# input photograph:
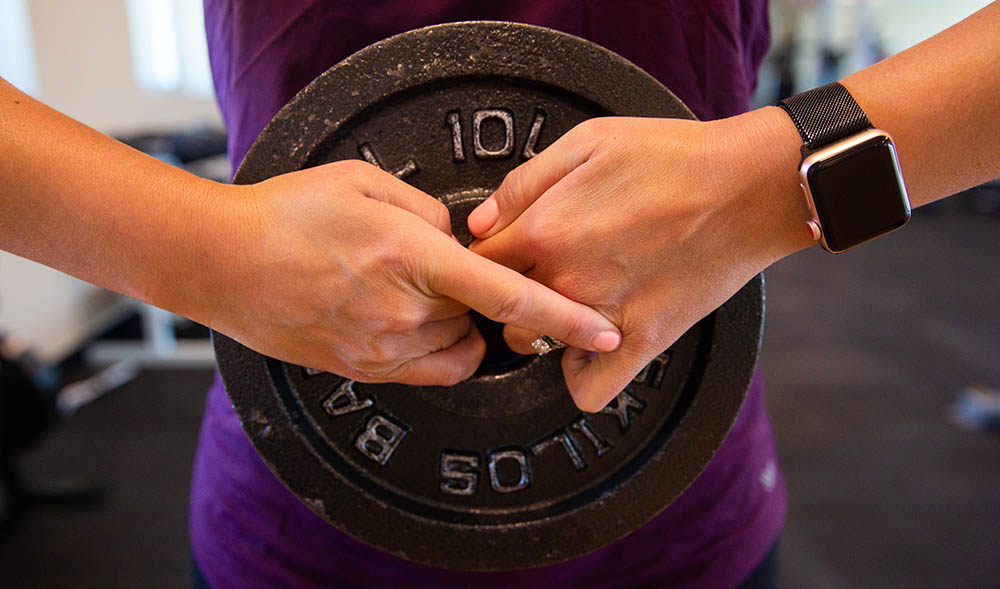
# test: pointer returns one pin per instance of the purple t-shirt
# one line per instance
(248, 530)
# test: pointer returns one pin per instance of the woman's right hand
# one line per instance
(347, 269)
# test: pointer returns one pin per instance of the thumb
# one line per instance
(595, 379)
(524, 184)
(383, 186)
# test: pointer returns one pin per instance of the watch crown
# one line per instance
(814, 229)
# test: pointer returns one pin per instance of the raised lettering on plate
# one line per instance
(520, 460)
(380, 439)
(536, 128)
(408, 168)
(344, 400)
(621, 407)
(565, 439)
(601, 446)
(454, 121)
(459, 473)
(505, 117)
(652, 374)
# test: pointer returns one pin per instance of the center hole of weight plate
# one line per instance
(499, 358)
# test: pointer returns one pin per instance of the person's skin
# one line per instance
(656, 222)
(341, 267)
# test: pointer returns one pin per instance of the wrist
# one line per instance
(196, 256)
(776, 208)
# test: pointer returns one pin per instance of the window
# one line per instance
(169, 52)
(17, 52)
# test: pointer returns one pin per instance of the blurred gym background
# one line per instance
(880, 363)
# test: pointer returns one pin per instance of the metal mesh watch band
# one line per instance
(824, 115)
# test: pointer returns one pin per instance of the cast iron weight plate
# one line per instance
(501, 471)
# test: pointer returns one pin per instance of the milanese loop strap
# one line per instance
(825, 114)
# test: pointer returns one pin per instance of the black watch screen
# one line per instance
(858, 194)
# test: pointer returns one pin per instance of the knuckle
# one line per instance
(532, 229)
(589, 130)
(383, 353)
(350, 373)
(370, 358)
(578, 329)
(644, 341)
(354, 168)
(375, 323)
(402, 372)
(591, 134)
(512, 305)
(386, 366)
(440, 216)
(363, 373)
(454, 373)
(574, 285)
(451, 334)
(367, 368)
(468, 366)
(543, 234)
(403, 321)
(352, 357)
(398, 260)
(508, 196)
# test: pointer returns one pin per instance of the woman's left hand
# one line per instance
(653, 222)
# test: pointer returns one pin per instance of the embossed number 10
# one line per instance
(481, 151)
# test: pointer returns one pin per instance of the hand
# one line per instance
(653, 222)
(345, 268)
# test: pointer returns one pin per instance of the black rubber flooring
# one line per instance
(863, 353)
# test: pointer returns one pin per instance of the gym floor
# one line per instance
(864, 354)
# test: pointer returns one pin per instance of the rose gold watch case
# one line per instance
(833, 150)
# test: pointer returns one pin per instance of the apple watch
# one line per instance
(849, 170)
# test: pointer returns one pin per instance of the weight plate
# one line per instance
(501, 471)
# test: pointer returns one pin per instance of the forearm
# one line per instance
(937, 99)
(940, 100)
(706, 206)
(76, 200)
(341, 267)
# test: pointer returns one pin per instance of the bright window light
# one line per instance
(169, 52)
(197, 75)
(17, 52)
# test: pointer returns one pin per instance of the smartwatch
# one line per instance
(849, 170)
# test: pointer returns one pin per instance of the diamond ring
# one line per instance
(544, 344)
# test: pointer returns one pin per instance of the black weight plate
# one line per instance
(501, 471)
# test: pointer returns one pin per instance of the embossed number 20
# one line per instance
(506, 118)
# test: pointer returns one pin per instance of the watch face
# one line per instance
(858, 193)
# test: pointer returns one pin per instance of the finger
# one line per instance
(387, 188)
(525, 183)
(508, 297)
(595, 379)
(445, 367)
(446, 308)
(435, 336)
(508, 249)
(519, 340)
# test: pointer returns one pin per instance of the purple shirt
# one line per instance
(248, 530)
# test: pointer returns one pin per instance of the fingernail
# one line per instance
(606, 341)
(483, 217)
